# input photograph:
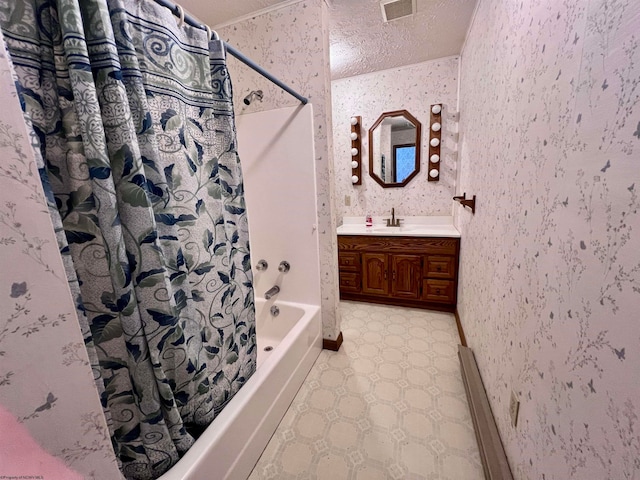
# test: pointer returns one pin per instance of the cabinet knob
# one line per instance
(438, 268)
(437, 291)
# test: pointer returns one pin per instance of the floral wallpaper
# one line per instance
(46, 380)
(550, 267)
(413, 88)
(292, 43)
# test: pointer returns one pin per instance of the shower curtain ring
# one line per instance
(208, 29)
(181, 15)
(215, 35)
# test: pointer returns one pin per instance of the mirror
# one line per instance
(394, 149)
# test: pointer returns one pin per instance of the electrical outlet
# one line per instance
(514, 407)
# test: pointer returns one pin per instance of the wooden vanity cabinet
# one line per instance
(407, 271)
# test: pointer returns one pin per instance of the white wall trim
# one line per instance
(257, 13)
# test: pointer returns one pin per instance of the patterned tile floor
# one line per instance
(389, 405)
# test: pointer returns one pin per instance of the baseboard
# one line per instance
(397, 302)
(332, 344)
(463, 339)
(494, 459)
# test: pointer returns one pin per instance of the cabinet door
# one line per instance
(375, 271)
(406, 275)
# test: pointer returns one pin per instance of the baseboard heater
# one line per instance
(494, 460)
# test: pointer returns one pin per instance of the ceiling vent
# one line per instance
(395, 9)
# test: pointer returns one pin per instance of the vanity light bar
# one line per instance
(435, 139)
(356, 150)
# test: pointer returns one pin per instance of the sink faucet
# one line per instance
(271, 292)
(392, 222)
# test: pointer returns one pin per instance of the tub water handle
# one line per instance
(284, 266)
(262, 265)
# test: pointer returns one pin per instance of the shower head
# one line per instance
(255, 93)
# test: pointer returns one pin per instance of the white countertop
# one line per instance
(410, 227)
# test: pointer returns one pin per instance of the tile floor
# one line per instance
(389, 405)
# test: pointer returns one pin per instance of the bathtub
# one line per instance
(230, 447)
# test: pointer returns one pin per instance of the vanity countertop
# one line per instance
(441, 226)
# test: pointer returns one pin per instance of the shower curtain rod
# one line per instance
(176, 10)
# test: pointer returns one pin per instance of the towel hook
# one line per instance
(180, 15)
(466, 202)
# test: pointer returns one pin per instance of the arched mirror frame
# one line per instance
(418, 125)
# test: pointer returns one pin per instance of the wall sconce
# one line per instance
(356, 149)
(435, 137)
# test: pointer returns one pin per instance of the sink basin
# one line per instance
(391, 230)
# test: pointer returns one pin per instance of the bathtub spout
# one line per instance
(271, 292)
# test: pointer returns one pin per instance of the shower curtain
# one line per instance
(133, 127)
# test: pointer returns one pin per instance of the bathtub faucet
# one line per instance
(271, 292)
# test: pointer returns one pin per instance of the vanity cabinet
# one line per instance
(407, 271)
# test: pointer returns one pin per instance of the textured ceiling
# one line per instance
(360, 41)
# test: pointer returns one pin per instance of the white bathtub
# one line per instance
(230, 447)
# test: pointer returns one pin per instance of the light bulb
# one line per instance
(354, 179)
(433, 173)
(354, 136)
(435, 158)
(436, 127)
(354, 121)
(435, 142)
(354, 152)
(436, 109)
(354, 164)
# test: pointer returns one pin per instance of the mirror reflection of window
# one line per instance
(394, 154)
(404, 159)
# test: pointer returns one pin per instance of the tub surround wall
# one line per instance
(292, 43)
(550, 275)
(413, 88)
(46, 381)
(276, 148)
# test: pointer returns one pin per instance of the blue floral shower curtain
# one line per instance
(133, 122)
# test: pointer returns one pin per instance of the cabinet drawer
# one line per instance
(438, 291)
(349, 261)
(349, 282)
(439, 267)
